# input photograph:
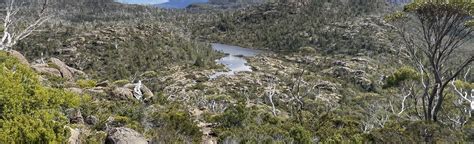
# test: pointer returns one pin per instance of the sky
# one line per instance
(143, 1)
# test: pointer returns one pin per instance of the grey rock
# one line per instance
(124, 135)
(63, 68)
(92, 120)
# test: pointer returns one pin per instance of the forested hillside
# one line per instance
(321, 71)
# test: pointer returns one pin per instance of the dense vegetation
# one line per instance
(30, 112)
(333, 71)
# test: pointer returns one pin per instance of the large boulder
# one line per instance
(63, 68)
(147, 93)
(122, 93)
(19, 56)
(124, 135)
(44, 69)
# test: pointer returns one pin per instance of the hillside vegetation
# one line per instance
(329, 72)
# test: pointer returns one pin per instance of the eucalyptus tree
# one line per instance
(434, 34)
(20, 19)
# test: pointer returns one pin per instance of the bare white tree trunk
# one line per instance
(464, 94)
(12, 31)
(270, 93)
(403, 102)
(137, 92)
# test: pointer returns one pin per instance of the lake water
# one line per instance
(234, 60)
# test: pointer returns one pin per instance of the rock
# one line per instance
(124, 135)
(365, 83)
(342, 71)
(74, 138)
(63, 68)
(147, 93)
(360, 60)
(359, 73)
(92, 120)
(325, 85)
(19, 56)
(44, 69)
(77, 72)
(75, 117)
(75, 90)
(97, 91)
(103, 84)
(122, 93)
(339, 63)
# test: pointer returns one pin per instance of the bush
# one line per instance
(86, 83)
(402, 74)
(30, 113)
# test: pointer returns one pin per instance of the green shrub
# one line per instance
(174, 124)
(86, 83)
(30, 112)
(402, 74)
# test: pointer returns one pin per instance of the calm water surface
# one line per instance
(234, 60)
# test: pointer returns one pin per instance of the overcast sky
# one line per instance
(143, 1)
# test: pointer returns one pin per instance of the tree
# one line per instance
(21, 19)
(433, 34)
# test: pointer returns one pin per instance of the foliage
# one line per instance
(86, 83)
(402, 74)
(254, 125)
(173, 124)
(30, 112)
(286, 26)
(415, 132)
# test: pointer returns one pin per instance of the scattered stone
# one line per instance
(124, 135)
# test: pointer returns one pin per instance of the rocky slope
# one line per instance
(320, 79)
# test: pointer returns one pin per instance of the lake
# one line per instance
(234, 60)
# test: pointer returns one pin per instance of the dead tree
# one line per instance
(20, 20)
(433, 34)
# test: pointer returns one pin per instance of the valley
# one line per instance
(245, 71)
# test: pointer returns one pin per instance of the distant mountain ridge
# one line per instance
(180, 3)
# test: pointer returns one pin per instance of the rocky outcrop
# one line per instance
(58, 68)
(124, 135)
(19, 56)
(147, 93)
(63, 68)
(45, 69)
